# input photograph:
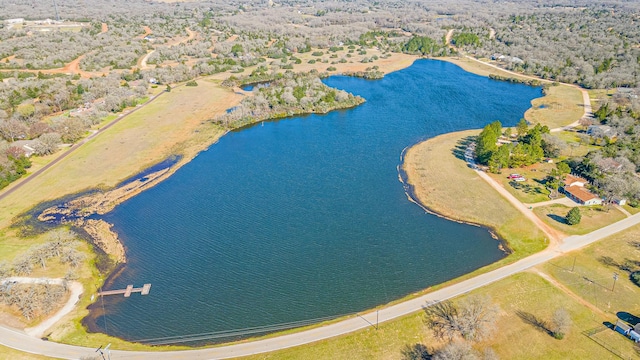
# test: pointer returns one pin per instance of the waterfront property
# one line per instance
(304, 218)
(574, 189)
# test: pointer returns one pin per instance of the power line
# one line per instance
(236, 332)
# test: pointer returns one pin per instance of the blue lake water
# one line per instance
(305, 218)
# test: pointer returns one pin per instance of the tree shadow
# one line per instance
(416, 352)
(542, 181)
(461, 147)
(558, 218)
(630, 318)
(628, 265)
(534, 321)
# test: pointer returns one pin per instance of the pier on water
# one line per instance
(144, 290)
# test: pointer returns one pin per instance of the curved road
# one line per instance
(75, 289)
(23, 342)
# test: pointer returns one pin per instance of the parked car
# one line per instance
(521, 178)
(514, 176)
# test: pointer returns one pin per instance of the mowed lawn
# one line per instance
(10, 354)
(481, 69)
(593, 217)
(444, 183)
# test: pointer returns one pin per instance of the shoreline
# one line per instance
(114, 272)
(101, 202)
(412, 196)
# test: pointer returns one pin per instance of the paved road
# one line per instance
(21, 341)
(563, 200)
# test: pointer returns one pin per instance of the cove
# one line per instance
(304, 218)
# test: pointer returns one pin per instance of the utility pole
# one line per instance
(615, 277)
(56, 7)
(101, 351)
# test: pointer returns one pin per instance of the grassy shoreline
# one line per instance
(196, 142)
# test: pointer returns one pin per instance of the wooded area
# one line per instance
(65, 68)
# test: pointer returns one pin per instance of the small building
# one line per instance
(572, 180)
(26, 145)
(620, 201)
(622, 327)
(600, 131)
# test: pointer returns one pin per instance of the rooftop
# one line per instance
(569, 180)
(580, 193)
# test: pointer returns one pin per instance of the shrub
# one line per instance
(191, 83)
(635, 277)
(317, 53)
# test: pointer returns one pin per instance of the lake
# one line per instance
(304, 218)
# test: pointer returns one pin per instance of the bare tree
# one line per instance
(456, 350)
(23, 266)
(416, 352)
(442, 318)
(47, 143)
(560, 323)
(13, 129)
(473, 320)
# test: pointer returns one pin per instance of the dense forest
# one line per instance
(613, 167)
(64, 68)
(287, 95)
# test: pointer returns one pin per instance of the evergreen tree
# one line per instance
(487, 142)
(573, 216)
(522, 128)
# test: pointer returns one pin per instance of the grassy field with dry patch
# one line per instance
(593, 218)
(560, 106)
(444, 183)
(523, 299)
(164, 127)
(478, 68)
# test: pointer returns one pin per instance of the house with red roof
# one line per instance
(574, 189)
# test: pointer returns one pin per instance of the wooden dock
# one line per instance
(144, 290)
